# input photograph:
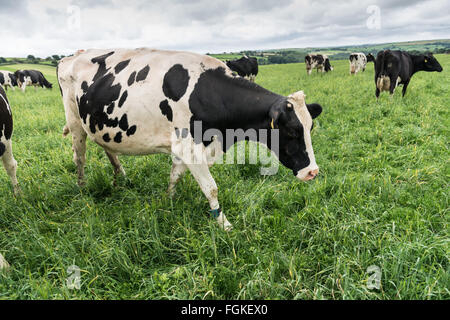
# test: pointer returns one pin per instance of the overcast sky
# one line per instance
(45, 27)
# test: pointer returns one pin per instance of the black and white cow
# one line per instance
(245, 67)
(358, 62)
(146, 101)
(7, 79)
(6, 129)
(31, 78)
(397, 67)
(317, 61)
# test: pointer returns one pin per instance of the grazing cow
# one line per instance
(31, 78)
(397, 67)
(358, 62)
(245, 67)
(7, 79)
(317, 61)
(3, 263)
(6, 129)
(370, 58)
(146, 101)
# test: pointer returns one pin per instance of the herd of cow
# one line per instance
(145, 101)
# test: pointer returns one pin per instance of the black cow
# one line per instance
(397, 67)
(31, 78)
(245, 67)
(6, 129)
(7, 79)
(370, 58)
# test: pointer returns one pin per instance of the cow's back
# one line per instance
(125, 98)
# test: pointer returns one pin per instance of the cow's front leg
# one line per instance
(3, 263)
(10, 165)
(177, 171)
(208, 185)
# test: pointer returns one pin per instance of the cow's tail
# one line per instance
(383, 81)
(46, 83)
(327, 65)
(2, 148)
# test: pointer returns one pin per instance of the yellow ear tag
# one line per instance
(426, 60)
(271, 124)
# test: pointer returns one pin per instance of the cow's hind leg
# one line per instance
(79, 151)
(177, 171)
(118, 169)
(10, 165)
(405, 86)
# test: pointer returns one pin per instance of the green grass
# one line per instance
(381, 199)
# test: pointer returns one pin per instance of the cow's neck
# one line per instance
(418, 63)
(222, 103)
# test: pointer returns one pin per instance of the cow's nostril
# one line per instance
(313, 173)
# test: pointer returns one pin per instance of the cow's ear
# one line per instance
(314, 109)
(275, 114)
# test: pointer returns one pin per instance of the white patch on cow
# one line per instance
(298, 100)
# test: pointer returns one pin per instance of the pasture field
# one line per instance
(381, 199)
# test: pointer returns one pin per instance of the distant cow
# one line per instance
(397, 67)
(7, 79)
(370, 57)
(145, 101)
(31, 78)
(317, 61)
(245, 67)
(358, 62)
(6, 129)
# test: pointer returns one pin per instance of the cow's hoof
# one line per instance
(81, 183)
(226, 226)
(17, 191)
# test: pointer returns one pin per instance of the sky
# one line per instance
(46, 27)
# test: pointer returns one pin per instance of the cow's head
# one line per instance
(370, 57)
(294, 119)
(20, 77)
(13, 79)
(431, 64)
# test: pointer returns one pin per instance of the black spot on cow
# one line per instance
(95, 97)
(2, 79)
(131, 130)
(121, 65)
(84, 86)
(106, 137)
(101, 61)
(118, 137)
(132, 78)
(110, 108)
(142, 74)
(123, 98)
(6, 121)
(176, 82)
(166, 109)
(123, 123)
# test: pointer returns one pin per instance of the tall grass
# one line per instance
(381, 199)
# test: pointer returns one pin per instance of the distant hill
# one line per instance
(292, 55)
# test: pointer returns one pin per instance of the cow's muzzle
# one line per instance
(308, 173)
